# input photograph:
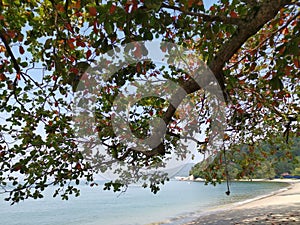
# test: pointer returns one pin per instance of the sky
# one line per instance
(36, 73)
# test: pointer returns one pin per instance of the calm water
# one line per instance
(176, 202)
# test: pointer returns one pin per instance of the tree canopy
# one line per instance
(272, 164)
(250, 46)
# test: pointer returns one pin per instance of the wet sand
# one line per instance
(280, 208)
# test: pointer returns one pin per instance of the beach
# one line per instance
(282, 207)
(178, 202)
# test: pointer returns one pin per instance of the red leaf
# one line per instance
(285, 31)
(11, 33)
(233, 14)
(2, 153)
(113, 39)
(127, 6)
(77, 5)
(74, 70)
(212, 8)
(134, 7)
(88, 54)
(20, 37)
(2, 48)
(93, 11)
(296, 62)
(80, 43)
(17, 167)
(78, 166)
(70, 43)
(60, 7)
(138, 68)
(259, 105)
(253, 66)
(2, 77)
(78, 14)
(112, 9)
(281, 21)
(69, 27)
(190, 3)
(95, 26)
(138, 51)
(240, 111)
(281, 51)
(95, 30)
(18, 76)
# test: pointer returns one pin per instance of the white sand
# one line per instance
(280, 208)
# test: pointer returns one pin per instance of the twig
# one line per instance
(10, 53)
(205, 17)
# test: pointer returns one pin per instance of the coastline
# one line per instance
(279, 207)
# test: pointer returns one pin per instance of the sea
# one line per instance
(177, 202)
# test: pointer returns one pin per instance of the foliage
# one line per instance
(275, 162)
(252, 47)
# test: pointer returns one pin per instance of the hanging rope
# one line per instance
(226, 171)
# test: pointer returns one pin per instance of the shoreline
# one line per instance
(218, 214)
(278, 207)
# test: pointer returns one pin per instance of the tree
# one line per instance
(251, 47)
(271, 162)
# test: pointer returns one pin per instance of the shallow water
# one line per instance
(177, 202)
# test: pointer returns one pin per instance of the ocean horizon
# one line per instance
(176, 203)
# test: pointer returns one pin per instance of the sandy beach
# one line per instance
(282, 207)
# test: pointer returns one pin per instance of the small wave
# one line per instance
(260, 197)
(191, 216)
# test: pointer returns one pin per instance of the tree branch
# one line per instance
(10, 53)
(250, 2)
(187, 137)
(267, 10)
(206, 17)
(160, 149)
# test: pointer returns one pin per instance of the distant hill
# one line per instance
(182, 171)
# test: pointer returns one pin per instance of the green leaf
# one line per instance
(276, 83)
